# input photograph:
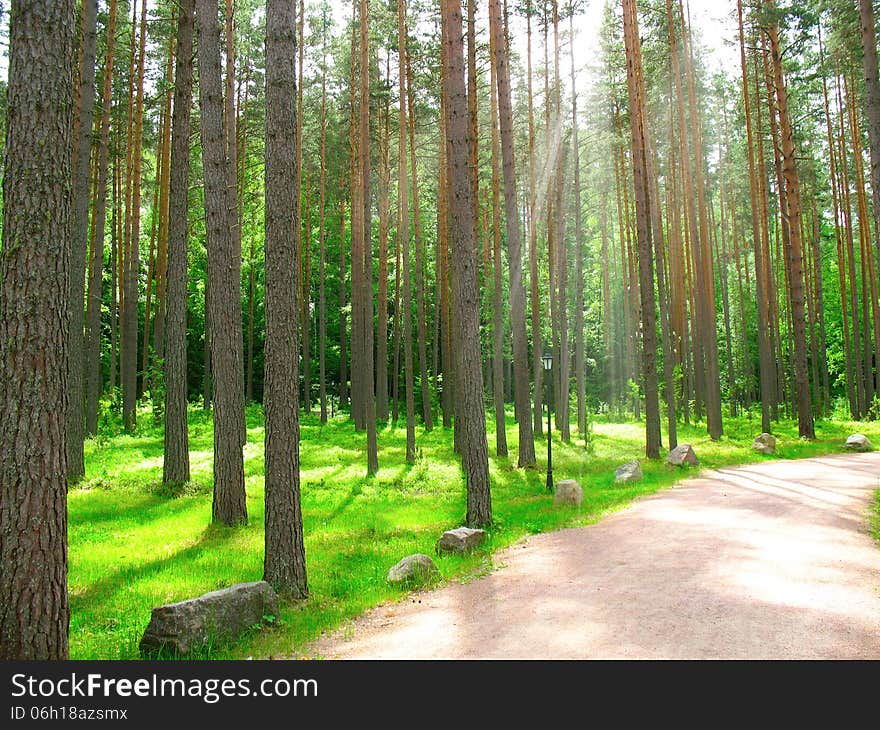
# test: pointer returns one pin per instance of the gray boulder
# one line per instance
(764, 444)
(460, 540)
(629, 472)
(682, 455)
(568, 491)
(182, 627)
(858, 442)
(413, 569)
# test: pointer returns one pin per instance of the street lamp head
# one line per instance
(547, 359)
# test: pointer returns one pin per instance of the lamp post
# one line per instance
(547, 360)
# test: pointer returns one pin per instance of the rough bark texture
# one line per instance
(176, 466)
(285, 563)
(795, 255)
(224, 265)
(514, 249)
(79, 243)
(643, 228)
(466, 295)
(765, 366)
(872, 107)
(403, 237)
(497, 298)
(34, 301)
(94, 380)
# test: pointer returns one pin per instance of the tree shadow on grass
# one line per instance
(89, 598)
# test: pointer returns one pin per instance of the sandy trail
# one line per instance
(769, 560)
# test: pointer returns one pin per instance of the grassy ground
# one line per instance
(134, 545)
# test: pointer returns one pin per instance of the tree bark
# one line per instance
(285, 563)
(176, 466)
(34, 322)
(224, 265)
(469, 393)
(514, 250)
(94, 380)
(643, 228)
(872, 107)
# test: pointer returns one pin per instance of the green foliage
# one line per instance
(135, 544)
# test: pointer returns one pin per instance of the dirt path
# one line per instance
(771, 560)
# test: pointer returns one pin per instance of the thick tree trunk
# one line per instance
(793, 195)
(643, 228)
(34, 321)
(514, 250)
(224, 265)
(176, 467)
(469, 393)
(94, 379)
(79, 243)
(285, 561)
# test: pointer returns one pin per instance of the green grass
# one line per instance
(134, 544)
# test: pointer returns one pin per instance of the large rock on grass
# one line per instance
(413, 570)
(858, 442)
(568, 491)
(629, 472)
(682, 455)
(460, 540)
(179, 628)
(764, 444)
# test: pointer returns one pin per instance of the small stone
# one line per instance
(858, 442)
(182, 627)
(460, 540)
(681, 455)
(413, 569)
(568, 491)
(629, 472)
(765, 444)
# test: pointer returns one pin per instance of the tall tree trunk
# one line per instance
(305, 309)
(404, 316)
(322, 302)
(34, 321)
(343, 326)
(383, 132)
(469, 393)
(132, 255)
(872, 107)
(285, 561)
(579, 348)
(422, 326)
(362, 203)
(79, 243)
(176, 467)
(643, 228)
(793, 195)
(224, 264)
(514, 251)
(94, 380)
(765, 365)
(497, 301)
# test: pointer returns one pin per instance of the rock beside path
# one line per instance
(629, 472)
(413, 570)
(765, 444)
(568, 491)
(460, 540)
(682, 455)
(858, 442)
(179, 628)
